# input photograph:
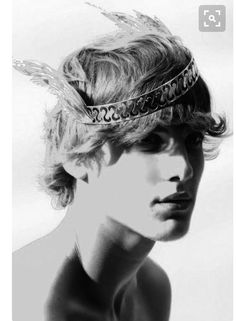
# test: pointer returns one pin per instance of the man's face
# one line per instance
(152, 187)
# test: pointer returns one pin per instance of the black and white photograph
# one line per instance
(122, 160)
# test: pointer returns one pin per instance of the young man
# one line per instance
(125, 152)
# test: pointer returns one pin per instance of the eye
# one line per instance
(194, 140)
(153, 143)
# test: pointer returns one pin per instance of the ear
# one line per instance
(111, 153)
(78, 171)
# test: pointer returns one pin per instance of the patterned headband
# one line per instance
(71, 102)
(148, 103)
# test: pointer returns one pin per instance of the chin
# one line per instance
(171, 230)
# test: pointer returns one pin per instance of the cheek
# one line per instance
(197, 162)
(142, 171)
(130, 179)
(152, 172)
(133, 170)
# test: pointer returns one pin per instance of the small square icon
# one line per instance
(212, 18)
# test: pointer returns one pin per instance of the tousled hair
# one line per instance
(118, 67)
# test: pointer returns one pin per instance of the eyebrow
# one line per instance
(159, 128)
(185, 129)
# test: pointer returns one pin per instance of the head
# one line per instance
(136, 163)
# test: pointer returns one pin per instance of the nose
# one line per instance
(176, 166)
(179, 169)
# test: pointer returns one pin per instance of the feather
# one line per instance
(153, 24)
(43, 75)
(130, 24)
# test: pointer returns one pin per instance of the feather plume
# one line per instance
(141, 23)
(45, 76)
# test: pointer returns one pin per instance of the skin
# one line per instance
(96, 261)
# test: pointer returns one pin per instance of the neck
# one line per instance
(114, 254)
(110, 253)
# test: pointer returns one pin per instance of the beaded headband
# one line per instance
(71, 102)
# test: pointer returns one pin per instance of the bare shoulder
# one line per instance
(154, 273)
(43, 255)
(34, 268)
(155, 286)
(35, 259)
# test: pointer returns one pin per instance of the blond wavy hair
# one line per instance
(114, 68)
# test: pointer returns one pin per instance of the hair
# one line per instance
(118, 67)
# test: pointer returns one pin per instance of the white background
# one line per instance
(200, 264)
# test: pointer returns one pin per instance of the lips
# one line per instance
(176, 198)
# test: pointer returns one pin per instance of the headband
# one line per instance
(71, 101)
